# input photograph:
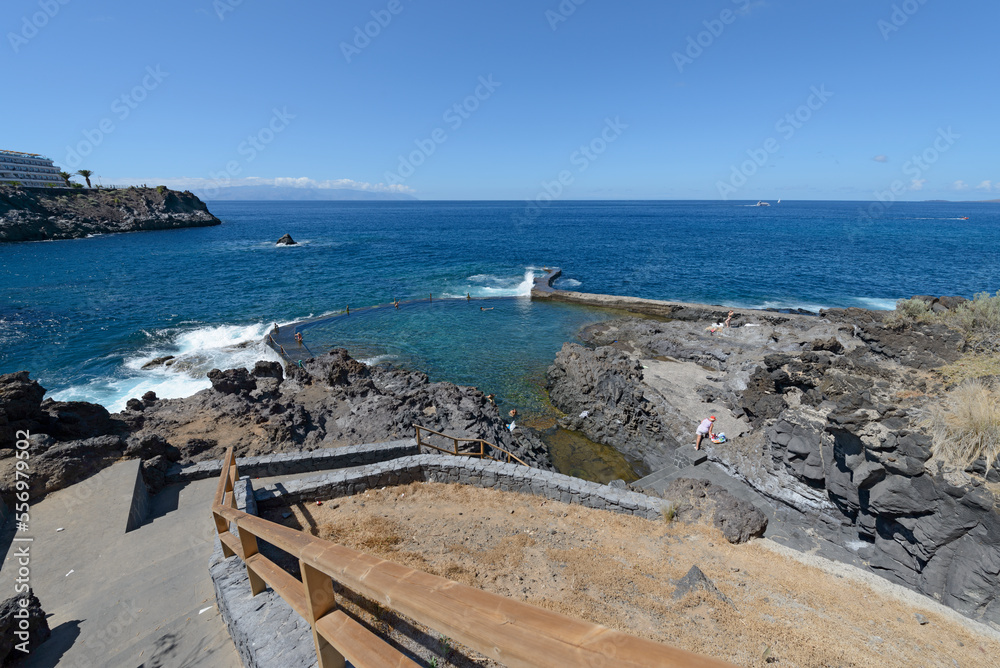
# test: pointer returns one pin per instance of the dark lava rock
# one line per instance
(20, 405)
(330, 400)
(264, 369)
(158, 361)
(287, 241)
(916, 345)
(232, 381)
(694, 580)
(37, 214)
(154, 472)
(607, 383)
(832, 345)
(21, 626)
(527, 445)
(951, 302)
(739, 520)
(72, 420)
(146, 447)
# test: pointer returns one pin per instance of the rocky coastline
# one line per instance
(331, 400)
(825, 415)
(37, 214)
(826, 418)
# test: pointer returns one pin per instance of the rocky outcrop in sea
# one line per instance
(36, 214)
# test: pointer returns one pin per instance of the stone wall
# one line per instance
(268, 633)
(290, 463)
(465, 471)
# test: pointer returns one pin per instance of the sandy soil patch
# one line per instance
(620, 571)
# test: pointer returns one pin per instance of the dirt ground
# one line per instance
(620, 571)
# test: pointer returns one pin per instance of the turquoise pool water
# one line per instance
(502, 345)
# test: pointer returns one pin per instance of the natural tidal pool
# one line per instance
(503, 346)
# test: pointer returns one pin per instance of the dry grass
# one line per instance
(971, 365)
(620, 571)
(967, 425)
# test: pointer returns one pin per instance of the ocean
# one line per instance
(84, 316)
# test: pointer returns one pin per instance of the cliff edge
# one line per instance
(34, 214)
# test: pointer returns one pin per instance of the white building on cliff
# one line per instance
(29, 169)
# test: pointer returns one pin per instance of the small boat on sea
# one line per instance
(762, 204)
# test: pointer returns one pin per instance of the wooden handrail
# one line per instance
(511, 632)
(457, 439)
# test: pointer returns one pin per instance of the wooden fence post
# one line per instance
(248, 542)
(320, 600)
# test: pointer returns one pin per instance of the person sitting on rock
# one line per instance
(705, 429)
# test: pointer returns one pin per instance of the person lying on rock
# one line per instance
(706, 428)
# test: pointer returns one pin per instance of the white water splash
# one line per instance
(874, 304)
(490, 285)
(195, 352)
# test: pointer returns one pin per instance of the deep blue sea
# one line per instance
(83, 316)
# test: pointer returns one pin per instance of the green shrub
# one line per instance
(909, 310)
(979, 319)
(161, 189)
(967, 425)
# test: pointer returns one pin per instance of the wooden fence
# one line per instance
(485, 449)
(510, 632)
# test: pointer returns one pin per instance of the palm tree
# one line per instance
(65, 177)
(85, 173)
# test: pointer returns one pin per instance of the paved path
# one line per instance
(138, 599)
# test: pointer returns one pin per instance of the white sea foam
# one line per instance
(788, 305)
(195, 351)
(568, 283)
(874, 304)
(489, 285)
(378, 359)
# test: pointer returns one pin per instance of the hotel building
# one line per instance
(29, 169)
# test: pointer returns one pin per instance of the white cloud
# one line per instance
(186, 183)
(960, 185)
(986, 185)
(881, 158)
(917, 184)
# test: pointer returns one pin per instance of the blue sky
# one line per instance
(607, 100)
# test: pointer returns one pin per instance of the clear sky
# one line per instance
(671, 100)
